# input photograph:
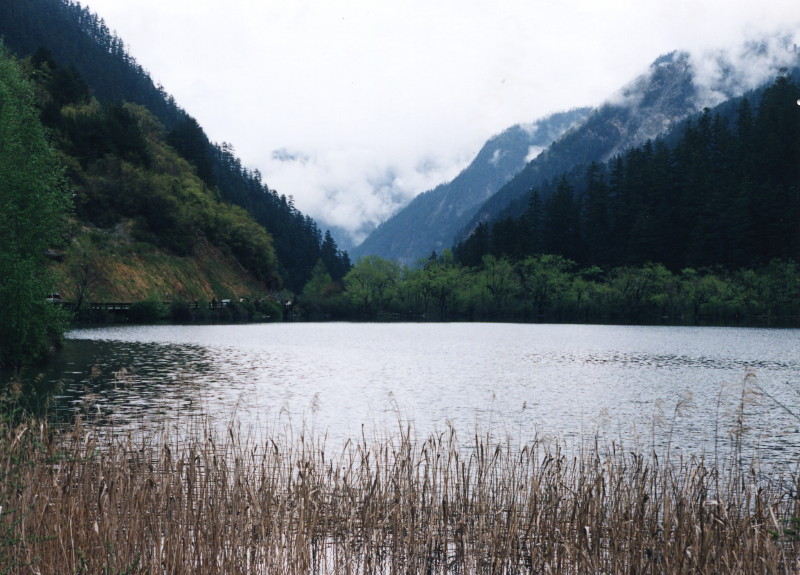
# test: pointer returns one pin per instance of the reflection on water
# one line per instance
(648, 386)
(122, 384)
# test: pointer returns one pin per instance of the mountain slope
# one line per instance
(84, 50)
(79, 38)
(430, 221)
(720, 192)
(675, 86)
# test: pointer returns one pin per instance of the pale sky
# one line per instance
(353, 107)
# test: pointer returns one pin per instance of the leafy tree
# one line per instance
(82, 270)
(500, 283)
(642, 293)
(437, 284)
(319, 291)
(371, 283)
(34, 203)
(545, 280)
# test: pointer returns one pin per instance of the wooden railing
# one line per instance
(124, 306)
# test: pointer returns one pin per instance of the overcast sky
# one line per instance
(353, 107)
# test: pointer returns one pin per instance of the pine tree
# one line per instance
(191, 142)
(562, 223)
(596, 226)
(533, 220)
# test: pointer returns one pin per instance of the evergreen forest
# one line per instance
(715, 192)
(700, 226)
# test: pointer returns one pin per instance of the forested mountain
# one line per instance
(674, 87)
(701, 225)
(643, 109)
(81, 51)
(723, 190)
(431, 220)
(670, 91)
(78, 38)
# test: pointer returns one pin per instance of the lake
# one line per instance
(679, 387)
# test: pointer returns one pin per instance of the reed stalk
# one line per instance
(76, 502)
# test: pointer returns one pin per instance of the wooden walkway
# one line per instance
(125, 306)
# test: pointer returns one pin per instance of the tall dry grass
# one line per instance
(76, 503)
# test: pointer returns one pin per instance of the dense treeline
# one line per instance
(716, 195)
(89, 60)
(299, 242)
(555, 289)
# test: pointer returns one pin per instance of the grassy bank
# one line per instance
(73, 502)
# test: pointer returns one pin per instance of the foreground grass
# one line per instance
(73, 502)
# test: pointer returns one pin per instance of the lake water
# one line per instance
(676, 386)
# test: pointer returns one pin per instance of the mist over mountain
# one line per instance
(430, 220)
(675, 86)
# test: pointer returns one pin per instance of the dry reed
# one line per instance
(75, 503)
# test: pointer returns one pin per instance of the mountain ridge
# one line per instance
(85, 50)
(429, 221)
(673, 87)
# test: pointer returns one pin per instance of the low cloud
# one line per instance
(353, 108)
(352, 191)
(727, 72)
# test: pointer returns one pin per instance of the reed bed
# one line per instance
(74, 502)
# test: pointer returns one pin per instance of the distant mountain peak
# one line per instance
(676, 85)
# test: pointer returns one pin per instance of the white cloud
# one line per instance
(381, 99)
(724, 72)
(533, 152)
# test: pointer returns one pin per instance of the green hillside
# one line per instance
(143, 219)
(71, 53)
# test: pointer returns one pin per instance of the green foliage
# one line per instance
(82, 40)
(103, 141)
(371, 285)
(298, 241)
(552, 288)
(320, 297)
(35, 204)
(128, 172)
(545, 283)
(191, 142)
